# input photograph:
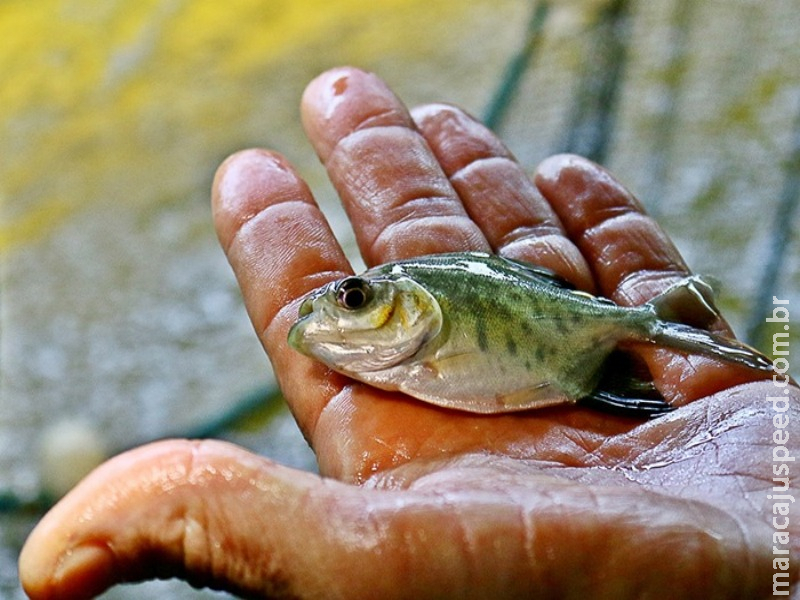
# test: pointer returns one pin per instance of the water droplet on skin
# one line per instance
(340, 86)
(337, 91)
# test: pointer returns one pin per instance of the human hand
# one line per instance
(416, 501)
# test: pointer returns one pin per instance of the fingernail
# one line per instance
(84, 571)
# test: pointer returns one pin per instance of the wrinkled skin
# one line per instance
(420, 502)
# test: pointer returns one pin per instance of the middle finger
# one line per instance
(399, 200)
(498, 194)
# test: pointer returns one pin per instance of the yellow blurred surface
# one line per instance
(122, 100)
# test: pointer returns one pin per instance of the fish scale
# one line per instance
(485, 334)
(562, 327)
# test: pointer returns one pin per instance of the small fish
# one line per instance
(485, 334)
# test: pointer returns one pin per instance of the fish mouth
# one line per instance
(306, 307)
(296, 337)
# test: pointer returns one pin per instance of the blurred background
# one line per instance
(121, 321)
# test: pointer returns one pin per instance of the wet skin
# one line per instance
(416, 501)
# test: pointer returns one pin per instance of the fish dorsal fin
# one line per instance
(689, 301)
(539, 273)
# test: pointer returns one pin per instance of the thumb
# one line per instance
(208, 512)
(218, 516)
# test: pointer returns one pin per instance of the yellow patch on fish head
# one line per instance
(381, 315)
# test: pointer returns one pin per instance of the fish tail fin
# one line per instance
(693, 340)
(684, 310)
(689, 301)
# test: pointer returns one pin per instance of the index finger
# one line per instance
(280, 247)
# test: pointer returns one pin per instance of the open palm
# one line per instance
(416, 501)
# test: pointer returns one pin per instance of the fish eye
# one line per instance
(353, 293)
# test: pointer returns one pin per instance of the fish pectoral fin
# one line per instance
(626, 406)
(536, 396)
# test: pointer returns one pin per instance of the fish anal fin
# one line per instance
(626, 406)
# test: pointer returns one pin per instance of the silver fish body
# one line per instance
(480, 333)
